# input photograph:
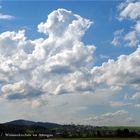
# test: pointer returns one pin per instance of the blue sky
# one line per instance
(80, 58)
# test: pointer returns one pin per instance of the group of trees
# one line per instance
(16, 129)
(91, 131)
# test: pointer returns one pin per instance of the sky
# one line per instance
(70, 61)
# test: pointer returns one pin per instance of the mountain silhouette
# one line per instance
(32, 123)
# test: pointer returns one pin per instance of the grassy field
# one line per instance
(97, 139)
(21, 138)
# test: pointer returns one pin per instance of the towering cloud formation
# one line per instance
(54, 65)
(61, 63)
(63, 23)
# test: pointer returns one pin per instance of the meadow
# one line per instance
(96, 139)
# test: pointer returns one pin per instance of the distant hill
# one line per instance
(32, 123)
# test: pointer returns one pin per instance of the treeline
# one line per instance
(22, 129)
(70, 131)
(91, 131)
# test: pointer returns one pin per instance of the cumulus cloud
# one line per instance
(132, 38)
(119, 73)
(53, 65)
(64, 23)
(19, 90)
(59, 63)
(130, 10)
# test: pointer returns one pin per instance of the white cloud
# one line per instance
(130, 10)
(64, 23)
(137, 105)
(53, 65)
(123, 4)
(120, 73)
(136, 96)
(110, 118)
(117, 37)
(137, 26)
(114, 114)
(6, 17)
(119, 104)
(131, 38)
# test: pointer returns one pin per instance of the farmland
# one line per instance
(97, 139)
(12, 138)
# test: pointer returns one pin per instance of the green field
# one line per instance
(21, 138)
(96, 139)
